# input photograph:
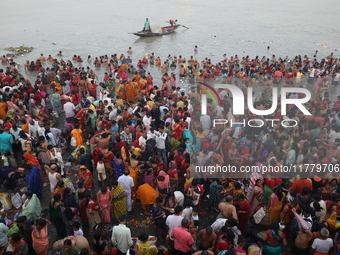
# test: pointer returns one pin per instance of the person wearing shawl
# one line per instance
(163, 183)
(34, 182)
(31, 207)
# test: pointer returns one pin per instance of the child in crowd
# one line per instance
(77, 230)
(187, 212)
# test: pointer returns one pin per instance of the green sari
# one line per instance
(33, 209)
(56, 219)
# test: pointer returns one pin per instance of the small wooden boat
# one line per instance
(165, 31)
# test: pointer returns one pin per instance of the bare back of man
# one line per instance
(104, 141)
(302, 241)
(227, 209)
(208, 239)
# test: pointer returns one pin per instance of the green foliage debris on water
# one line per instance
(21, 50)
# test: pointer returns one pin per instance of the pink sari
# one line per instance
(104, 204)
(40, 245)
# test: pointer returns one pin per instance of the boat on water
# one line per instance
(164, 31)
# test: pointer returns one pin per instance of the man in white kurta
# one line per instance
(127, 183)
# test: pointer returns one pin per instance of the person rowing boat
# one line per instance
(172, 22)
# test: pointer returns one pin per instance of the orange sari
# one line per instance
(40, 245)
(121, 91)
(32, 160)
(3, 110)
(147, 195)
(129, 91)
(134, 174)
(77, 134)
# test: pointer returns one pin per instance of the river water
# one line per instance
(243, 27)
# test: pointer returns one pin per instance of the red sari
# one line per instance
(95, 156)
(243, 217)
(82, 177)
(93, 90)
(177, 131)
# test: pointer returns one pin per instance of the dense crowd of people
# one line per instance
(132, 140)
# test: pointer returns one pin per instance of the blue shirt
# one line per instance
(5, 142)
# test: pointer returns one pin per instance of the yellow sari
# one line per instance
(134, 174)
(275, 208)
(118, 206)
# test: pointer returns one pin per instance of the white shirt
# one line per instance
(23, 144)
(322, 213)
(187, 213)
(78, 232)
(126, 182)
(113, 114)
(188, 120)
(142, 142)
(190, 108)
(33, 129)
(322, 246)
(101, 170)
(53, 180)
(220, 223)
(219, 110)
(146, 121)
(332, 136)
(161, 140)
(41, 131)
(206, 122)
(121, 237)
(179, 197)
(69, 110)
(152, 135)
(55, 132)
(173, 221)
(161, 108)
